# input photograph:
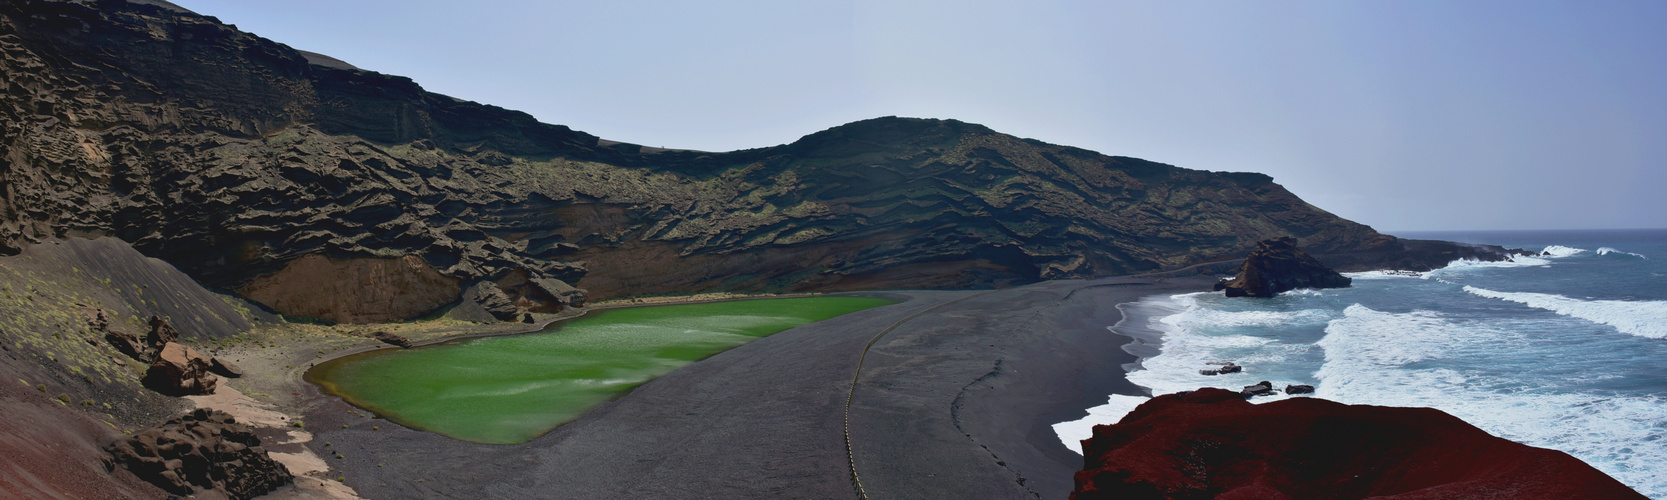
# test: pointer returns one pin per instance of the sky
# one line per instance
(1403, 115)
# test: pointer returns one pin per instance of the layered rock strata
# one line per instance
(1211, 443)
(234, 158)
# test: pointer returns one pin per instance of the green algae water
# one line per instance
(510, 389)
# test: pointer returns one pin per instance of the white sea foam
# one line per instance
(1195, 336)
(1366, 362)
(1544, 258)
(1560, 251)
(1195, 315)
(1072, 433)
(1418, 336)
(1641, 318)
(1383, 275)
(1611, 251)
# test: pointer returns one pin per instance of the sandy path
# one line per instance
(311, 472)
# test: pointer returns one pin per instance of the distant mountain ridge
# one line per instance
(232, 156)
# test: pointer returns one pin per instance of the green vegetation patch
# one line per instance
(511, 389)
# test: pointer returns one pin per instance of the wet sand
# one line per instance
(957, 402)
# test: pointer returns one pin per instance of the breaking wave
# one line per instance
(1363, 365)
(1560, 251)
(1611, 251)
(1641, 318)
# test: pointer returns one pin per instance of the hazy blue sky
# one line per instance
(1399, 114)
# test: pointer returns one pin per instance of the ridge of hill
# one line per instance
(232, 157)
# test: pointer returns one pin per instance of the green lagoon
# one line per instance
(510, 389)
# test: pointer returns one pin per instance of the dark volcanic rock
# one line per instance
(180, 371)
(203, 451)
(1211, 443)
(493, 300)
(1263, 388)
(1227, 367)
(161, 333)
(224, 368)
(1299, 389)
(392, 339)
(126, 343)
(1276, 266)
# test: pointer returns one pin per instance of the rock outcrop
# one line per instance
(203, 451)
(161, 333)
(488, 298)
(1211, 443)
(1225, 368)
(243, 161)
(180, 371)
(392, 339)
(1263, 388)
(1278, 266)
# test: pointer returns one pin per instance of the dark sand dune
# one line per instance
(956, 402)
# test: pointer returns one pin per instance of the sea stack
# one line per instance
(1211, 443)
(1276, 266)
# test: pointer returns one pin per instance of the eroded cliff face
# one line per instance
(231, 157)
(365, 290)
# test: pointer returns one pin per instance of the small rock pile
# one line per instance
(1226, 367)
(202, 451)
(175, 369)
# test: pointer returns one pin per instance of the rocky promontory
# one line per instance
(1211, 443)
(1278, 266)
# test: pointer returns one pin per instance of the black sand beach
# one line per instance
(955, 403)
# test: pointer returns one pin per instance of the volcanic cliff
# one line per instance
(1211, 443)
(328, 191)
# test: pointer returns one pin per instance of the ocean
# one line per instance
(1566, 351)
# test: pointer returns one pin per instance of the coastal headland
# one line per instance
(280, 208)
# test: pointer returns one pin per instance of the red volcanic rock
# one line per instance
(161, 333)
(204, 452)
(1211, 443)
(179, 371)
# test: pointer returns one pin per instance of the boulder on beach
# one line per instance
(392, 339)
(1211, 443)
(204, 453)
(224, 368)
(1277, 266)
(180, 371)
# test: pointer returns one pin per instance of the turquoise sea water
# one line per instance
(1566, 351)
